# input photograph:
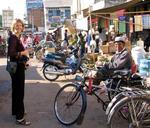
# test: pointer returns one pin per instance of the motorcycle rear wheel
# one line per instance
(46, 72)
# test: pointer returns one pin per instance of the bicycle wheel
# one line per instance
(70, 104)
(117, 98)
(136, 110)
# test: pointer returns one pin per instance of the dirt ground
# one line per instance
(39, 101)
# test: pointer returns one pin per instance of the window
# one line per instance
(96, 1)
(67, 13)
(50, 13)
(57, 12)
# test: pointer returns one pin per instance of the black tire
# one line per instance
(46, 72)
(141, 108)
(70, 104)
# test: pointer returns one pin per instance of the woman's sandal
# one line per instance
(23, 122)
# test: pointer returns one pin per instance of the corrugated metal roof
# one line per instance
(57, 3)
(117, 7)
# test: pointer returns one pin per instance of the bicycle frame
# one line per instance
(90, 89)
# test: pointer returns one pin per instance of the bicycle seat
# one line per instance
(136, 77)
(121, 73)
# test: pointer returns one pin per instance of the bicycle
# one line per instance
(75, 94)
(123, 78)
(135, 105)
(125, 82)
(71, 100)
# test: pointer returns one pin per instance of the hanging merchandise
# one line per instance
(146, 21)
(138, 23)
(131, 24)
(115, 22)
(101, 22)
(122, 24)
(106, 23)
(122, 27)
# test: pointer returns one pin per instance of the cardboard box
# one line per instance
(105, 49)
(92, 56)
(112, 48)
(128, 45)
(51, 50)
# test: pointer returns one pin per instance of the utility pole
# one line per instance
(32, 20)
(90, 19)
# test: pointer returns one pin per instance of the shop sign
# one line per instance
(82, 24)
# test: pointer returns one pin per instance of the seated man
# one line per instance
(122, 59)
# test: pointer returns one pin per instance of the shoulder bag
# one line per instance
(11, 66)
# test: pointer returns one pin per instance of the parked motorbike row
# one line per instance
(62, 63)
(58, 62)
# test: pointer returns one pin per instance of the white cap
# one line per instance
(119, 39)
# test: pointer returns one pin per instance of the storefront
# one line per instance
(127, 18)
(131, 18)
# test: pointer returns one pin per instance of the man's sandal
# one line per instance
(23, 122)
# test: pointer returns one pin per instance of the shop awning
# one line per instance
(117, 7)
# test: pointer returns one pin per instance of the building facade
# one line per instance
(127, 17)
(0, 21)
(35, 14)
(56, 12)
(7, 18)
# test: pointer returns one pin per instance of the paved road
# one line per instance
(39, 98)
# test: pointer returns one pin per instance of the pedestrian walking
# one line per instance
(66, 37)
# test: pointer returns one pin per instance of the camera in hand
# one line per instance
(23, 59)
(31, 52)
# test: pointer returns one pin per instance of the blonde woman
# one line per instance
(17, 53)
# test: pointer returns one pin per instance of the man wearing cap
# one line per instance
(121, 60)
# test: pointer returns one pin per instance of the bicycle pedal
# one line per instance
(89, 93)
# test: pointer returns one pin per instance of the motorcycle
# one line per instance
(58, 65)
(42, 47)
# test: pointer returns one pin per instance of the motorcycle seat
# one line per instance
(52, 61)
(121, 73)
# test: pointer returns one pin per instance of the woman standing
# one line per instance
(17, 53)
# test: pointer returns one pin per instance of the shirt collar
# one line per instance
(120, 51)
